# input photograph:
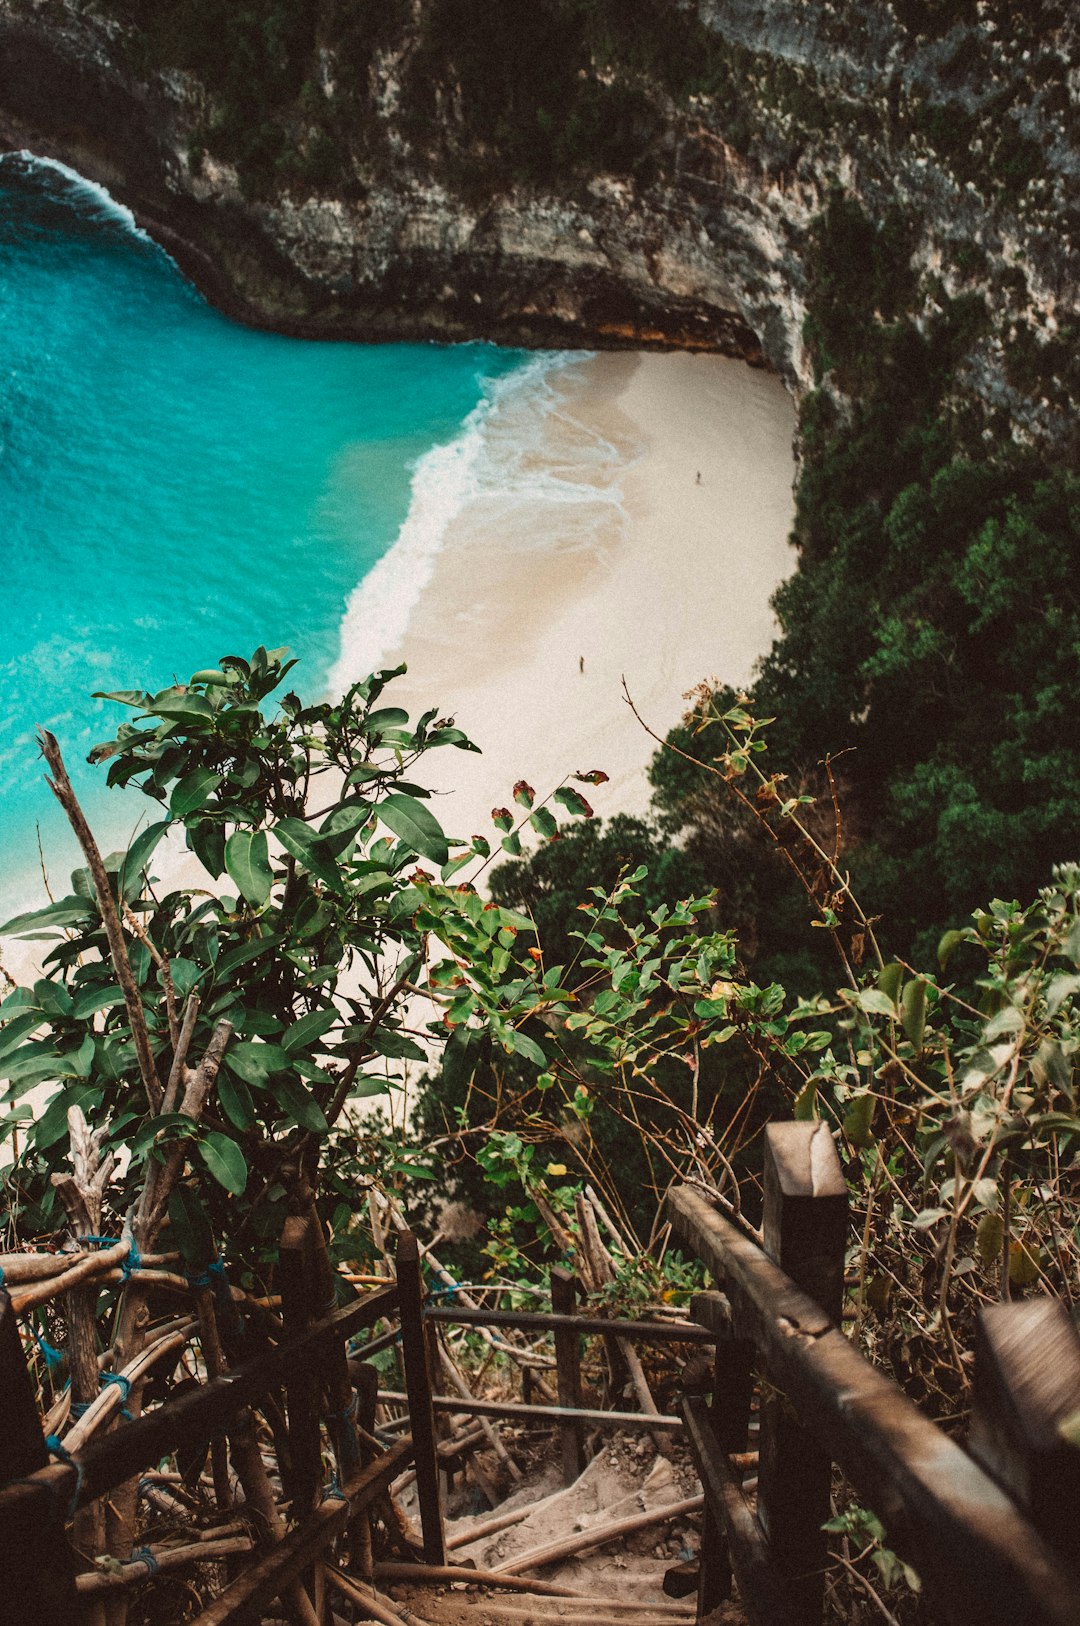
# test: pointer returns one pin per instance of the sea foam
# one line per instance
(522, 464)
(94, 200)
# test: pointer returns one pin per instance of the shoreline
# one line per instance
(534, 611)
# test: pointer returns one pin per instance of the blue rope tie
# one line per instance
(1, 1275)
(53, 1357)
(124, 1385)
(346, 1444)
(79, 1408)
(334, 1492)
(107, 1241)
(55, 1447)
(132, 1261)
(143, 1555)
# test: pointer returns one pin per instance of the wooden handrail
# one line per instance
(110, 1459)
(981, 1562)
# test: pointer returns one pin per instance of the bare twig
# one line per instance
(60, 785)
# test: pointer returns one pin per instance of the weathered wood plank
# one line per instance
(539, 1414)
(729, 1417)
(295, 1278)
(981, 1561)
(414, 1351)
(805, 1225)
(109, 1460)
(1027, 1382)
(568, 1371)
(261, 1582)
(36, 1563)
(660, 1332)
(762, 1589)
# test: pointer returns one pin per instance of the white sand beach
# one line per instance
(536, 610)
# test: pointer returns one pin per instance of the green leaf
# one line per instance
(50, 921)
(524, 1046)
(873, 1001)
(207, 841)
(182, 704)
(890, 980)
(858, 1120)
(247, 859)
(299, 1104)
(193, 792)
(524, 795)
(387, 1042)
(225, 1161)
(52, 1124)
(308, 850)
(574, 802)
(366, 1085)
(913, 1011)
(387, 717)
(53, 998)
(137, 857)
(304, 1032)
(34, 1063)
(805, 1107)
(254, 1062)
(245, 952)
(544, 822)
(14, 1032)
(95, 999)
(416, 825)
(236, 1102)
(190, 1229)
(949, 942)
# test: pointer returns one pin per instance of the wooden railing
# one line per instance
(310, 1368)
(38, 1497)
(995, 1541)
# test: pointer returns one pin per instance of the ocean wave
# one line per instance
(94, 203)
(520, 451)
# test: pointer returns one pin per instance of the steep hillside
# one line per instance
(567, 172)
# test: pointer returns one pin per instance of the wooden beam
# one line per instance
(1027, 1383)
(111, 1459)
(296, 1278)
(805, 1226)
(568, 1371)
(271, 1575)
(541, 1414)
(982, 1563)
(37, 1567)
(660, 1332)
(762, 1589)
(414, 1352)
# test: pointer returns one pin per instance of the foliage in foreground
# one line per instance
(333, 917)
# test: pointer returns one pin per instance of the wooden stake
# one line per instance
(418, 1387)
(568, 1362)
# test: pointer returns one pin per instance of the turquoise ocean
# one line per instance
(175, 487)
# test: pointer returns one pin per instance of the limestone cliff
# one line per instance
(389, 171)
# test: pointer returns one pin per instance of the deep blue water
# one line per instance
(173, 487)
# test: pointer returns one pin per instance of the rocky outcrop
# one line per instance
(712, 249)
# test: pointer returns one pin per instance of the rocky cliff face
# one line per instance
(375, 197)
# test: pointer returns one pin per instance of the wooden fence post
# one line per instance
(414, 1351)
(805, 1227)
(36, 1563)
(296, 1275)
(1027, 1383)
(568, 1371)
(729, 1419)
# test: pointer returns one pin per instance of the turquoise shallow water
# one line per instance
(173, 487)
